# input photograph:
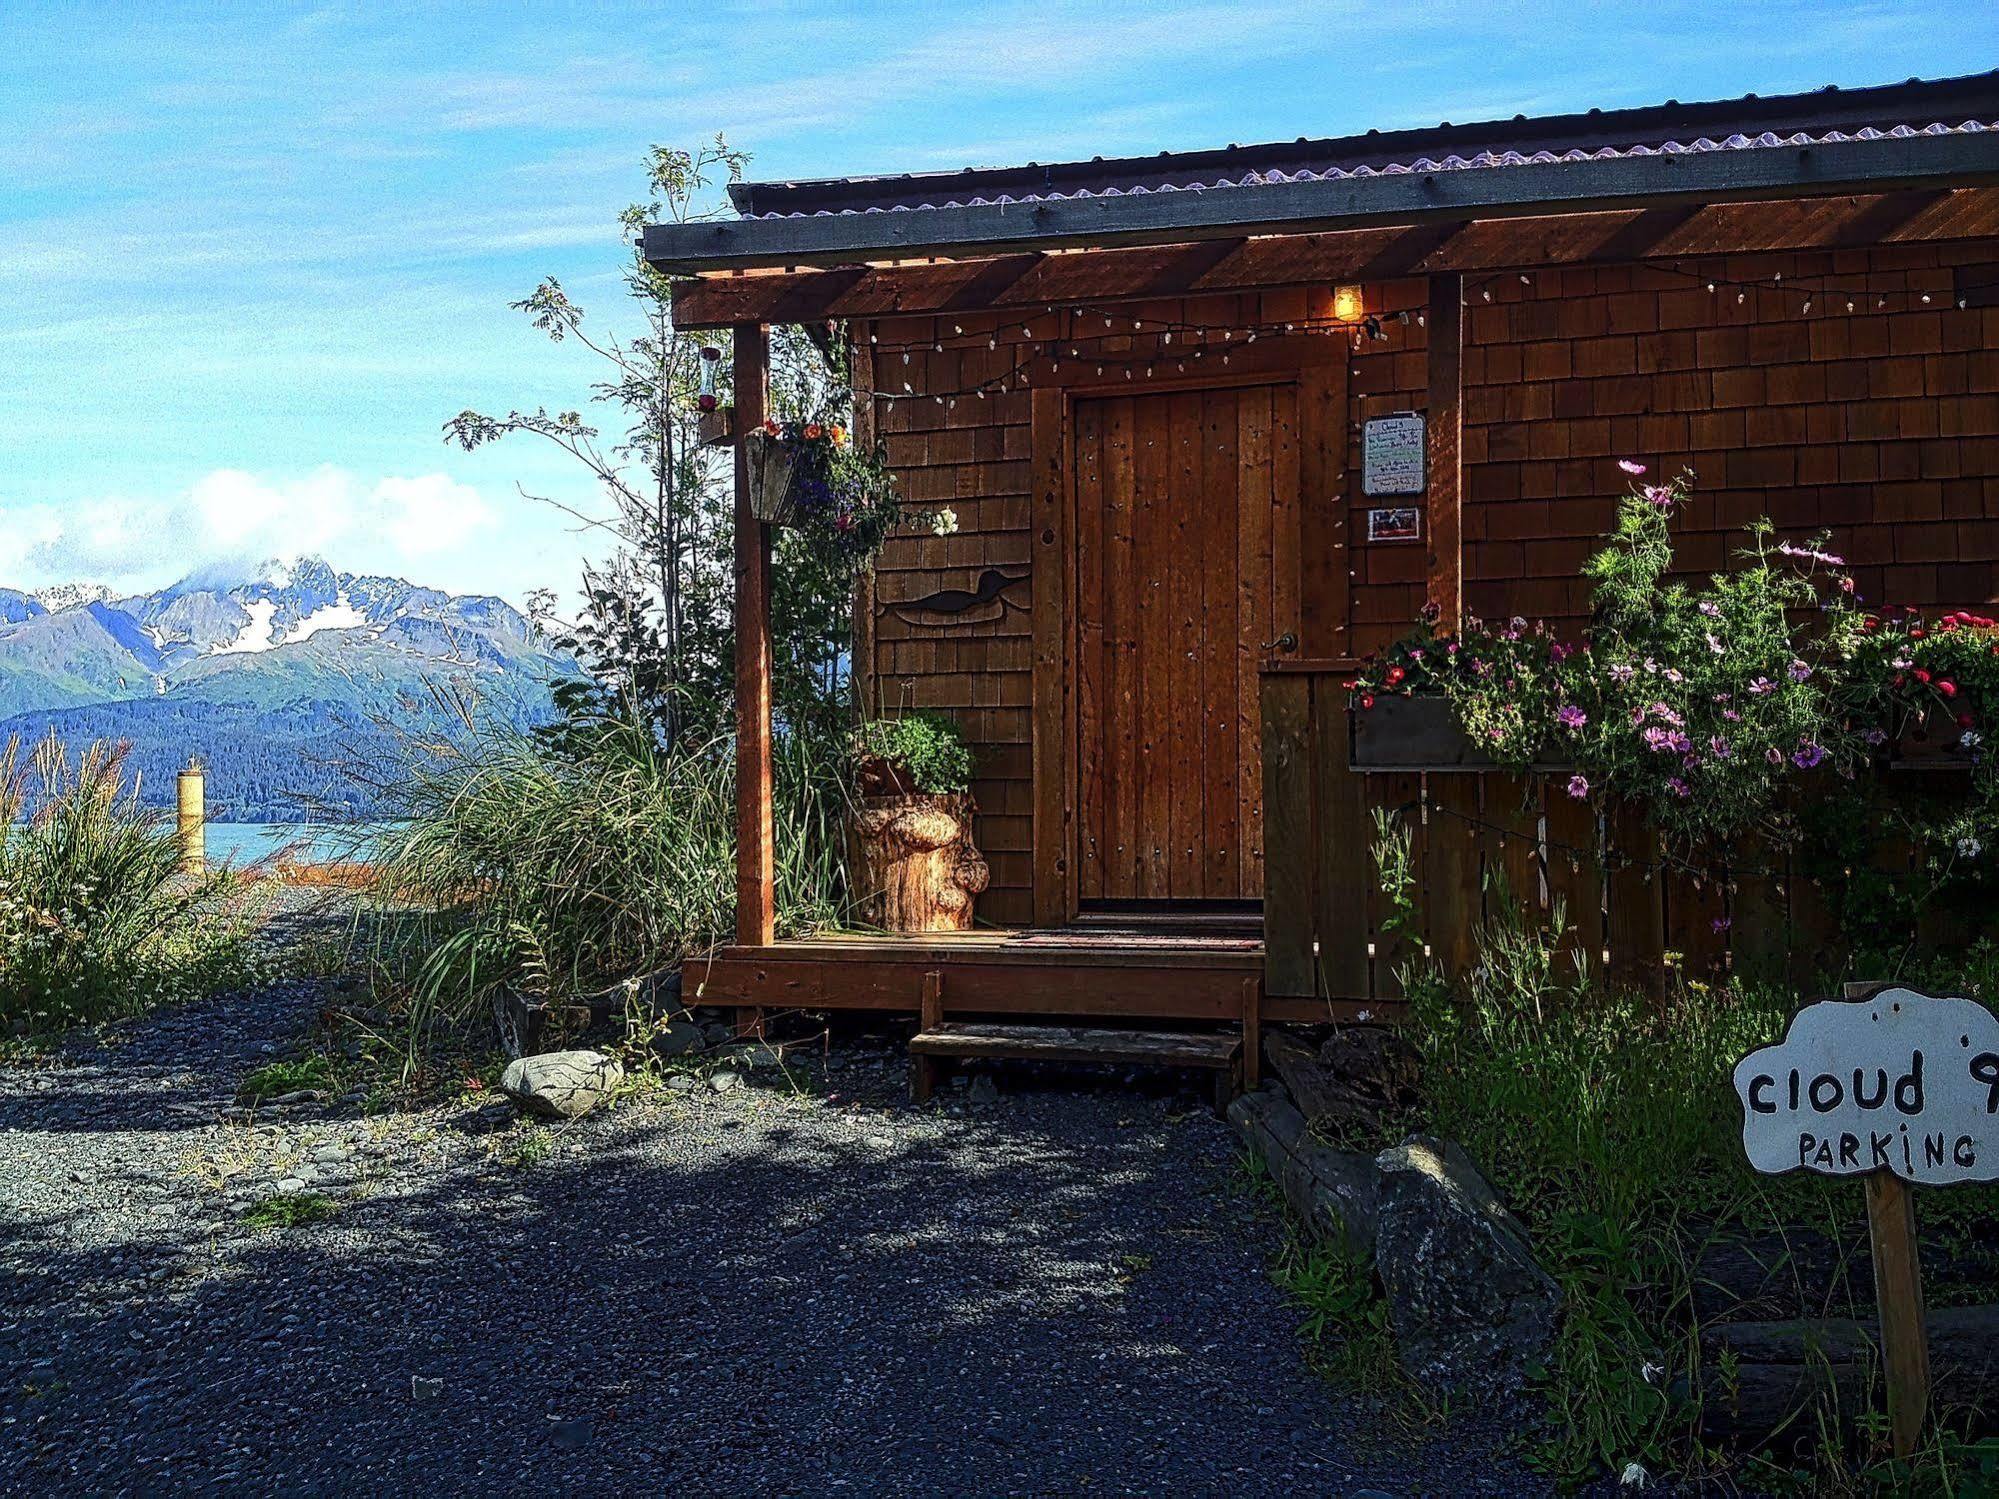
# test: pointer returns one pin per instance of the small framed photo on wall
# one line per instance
(1395, 523)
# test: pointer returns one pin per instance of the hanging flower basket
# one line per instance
(842, 500)
(773, 479)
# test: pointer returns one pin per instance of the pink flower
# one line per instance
(1661, 495)
(1774, 755)
(1578, 786)
(1798, 671)
(1569, 716)
(1629, 467)
(1762, 687)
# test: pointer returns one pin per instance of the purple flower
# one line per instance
(1661, 495)
(1677, 786)
(1762, 686)
(1798, 671)
(1710, 608)
(1774, 755)
(1877, 736)
(1731, 715)
(1623, 672)
(1827, 558)
(1569, 716)
(1807, 755)
(1673, 676)
(1578, 786)
(1720, 924)
(1718, 747)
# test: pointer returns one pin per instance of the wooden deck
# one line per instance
(1109, 973)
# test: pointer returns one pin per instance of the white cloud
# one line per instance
(230, 514)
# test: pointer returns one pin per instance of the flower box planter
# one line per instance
(1917, 750)
(913, 866)
(773, 480)
(1412, 733)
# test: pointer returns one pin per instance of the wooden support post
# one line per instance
(861, 375)
(1898, 1290)
(1252, 1032)
(1445, 418)
(1898, 1293)
(756, 880)
(923, 1067)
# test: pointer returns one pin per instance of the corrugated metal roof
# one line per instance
(1422, 165)
(1827, 116)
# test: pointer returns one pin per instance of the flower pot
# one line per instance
(912, 864)
(773, 480)
(1412, 733)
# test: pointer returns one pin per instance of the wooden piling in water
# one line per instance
(192, 819)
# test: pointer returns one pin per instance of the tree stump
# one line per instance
(914, 867)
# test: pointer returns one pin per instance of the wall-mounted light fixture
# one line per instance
(1347, 304)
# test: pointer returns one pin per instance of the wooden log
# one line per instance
(1783, 1368)
(914, 867)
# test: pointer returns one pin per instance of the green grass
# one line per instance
(97, 922)
(294, 1211)
(275, 1079)
(558, 865)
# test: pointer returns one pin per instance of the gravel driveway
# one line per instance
(786, 1287)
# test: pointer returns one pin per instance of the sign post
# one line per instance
(1898, 1088)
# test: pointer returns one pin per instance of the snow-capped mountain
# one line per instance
(270, 658)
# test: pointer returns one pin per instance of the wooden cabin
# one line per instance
(1218, 424)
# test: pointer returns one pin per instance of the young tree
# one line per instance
(655, 626)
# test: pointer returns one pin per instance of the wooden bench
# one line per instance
(1215, 1052)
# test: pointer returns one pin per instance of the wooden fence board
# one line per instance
(1289, 918)
(1344, 869)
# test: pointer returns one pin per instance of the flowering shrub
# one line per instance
(1697, 701)
(845, 504)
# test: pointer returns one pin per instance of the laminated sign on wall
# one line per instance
(1900, 1083)
(1391, 452)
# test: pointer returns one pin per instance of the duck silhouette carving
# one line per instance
(958, 605)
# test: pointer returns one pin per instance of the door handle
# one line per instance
(1287, 643)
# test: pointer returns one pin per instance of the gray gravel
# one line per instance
(773, 1288)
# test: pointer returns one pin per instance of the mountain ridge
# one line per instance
(250, 665)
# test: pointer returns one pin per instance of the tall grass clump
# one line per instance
(97, 921)
(556, 864)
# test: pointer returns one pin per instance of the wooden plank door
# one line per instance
(1184, 503)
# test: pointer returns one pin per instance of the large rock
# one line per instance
(1472, 1311)
(562, 1084)
(1331, 1191)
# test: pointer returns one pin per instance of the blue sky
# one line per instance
(252, 257)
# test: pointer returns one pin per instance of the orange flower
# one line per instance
(839, 435)
(814, 430)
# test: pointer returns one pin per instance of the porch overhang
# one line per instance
(1763, 173)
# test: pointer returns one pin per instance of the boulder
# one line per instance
(1472, 1311)
(562, 1084)
(678, 1038)
(1332, 1191)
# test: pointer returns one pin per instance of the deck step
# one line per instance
(1051, 1043)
